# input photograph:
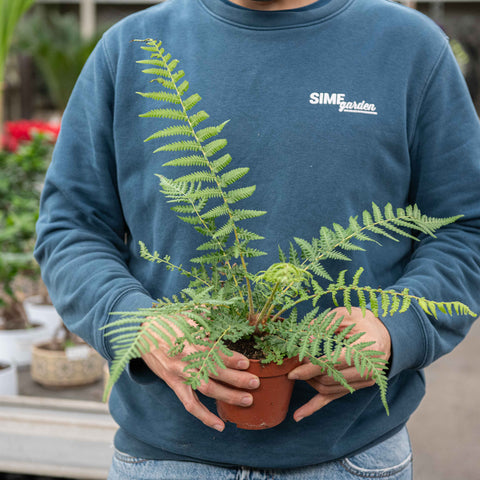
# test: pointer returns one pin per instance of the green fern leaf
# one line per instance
(219, 164)
(159, 72)
(199, 117)
(238, 194)
(175, 130)
(214, 146)
(162, 96)
(377, 213)
(191, 101)
(233, 175)
(202, 176)
(216, 212)
(239, 215)
(209, 132)
(180, 146)
(170, 113)
(190, 161)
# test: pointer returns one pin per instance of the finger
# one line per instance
(305, 372)
(350, 374)
(222, 392)
(236, 360)
(193, 405)
(309, 370)
(315, 404)
(338, 388)
(237, 378)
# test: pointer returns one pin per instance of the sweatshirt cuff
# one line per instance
(139, 372)
(409, 340)
(130, 301)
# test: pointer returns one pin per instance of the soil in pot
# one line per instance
(270, 400)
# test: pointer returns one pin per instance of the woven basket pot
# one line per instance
(68, 368)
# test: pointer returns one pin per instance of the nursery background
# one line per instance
(52, 421)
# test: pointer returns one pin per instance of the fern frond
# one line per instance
(190, 161)
(175, 130)
(232, 176)
(161, 96)
(169, 113)
(386, 224)
(179, 146)
(191, 101)
(209, 132)
(219, 164)
(242, 214)
(210, 149)
(198, 117)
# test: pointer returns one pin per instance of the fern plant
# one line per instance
(225, 302)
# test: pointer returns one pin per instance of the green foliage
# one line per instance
(20, 187)
(224, 302)
(10, 13)
(59, 51)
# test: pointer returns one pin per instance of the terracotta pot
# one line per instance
(270, 400)
(74, 367)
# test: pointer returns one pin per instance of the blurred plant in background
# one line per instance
(23, 166)
(24, 130)
(10, 13)
(58, 50)
(460, 54)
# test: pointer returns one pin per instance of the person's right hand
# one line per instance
(230, 385)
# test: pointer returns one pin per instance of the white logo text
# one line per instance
(324, 98)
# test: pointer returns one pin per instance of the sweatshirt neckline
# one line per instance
(259, 19)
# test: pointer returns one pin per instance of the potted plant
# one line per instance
(27, 151)
(65, 361)
(20, 186)
(226, 306)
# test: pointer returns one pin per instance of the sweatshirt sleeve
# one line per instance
(445, 158)
(81, 229)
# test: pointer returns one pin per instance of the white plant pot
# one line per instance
(8, 379)
(16, 345)
(38, 312)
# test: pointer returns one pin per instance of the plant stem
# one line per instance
(266, 310)
(230, 214)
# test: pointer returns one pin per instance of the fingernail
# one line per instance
(242, 364)
(218, 427)
(247, 400)
(298, 419)
(293, 376)
(254, 383)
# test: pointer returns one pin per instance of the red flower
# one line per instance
(23, 131)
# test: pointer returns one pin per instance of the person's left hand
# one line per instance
(327, 388)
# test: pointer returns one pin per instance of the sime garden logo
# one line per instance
(344, 106)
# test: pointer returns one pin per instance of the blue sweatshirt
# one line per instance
(331, 108)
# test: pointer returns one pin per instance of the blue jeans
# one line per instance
(391, 459)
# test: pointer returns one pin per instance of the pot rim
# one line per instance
(272, 369)
(60, 354)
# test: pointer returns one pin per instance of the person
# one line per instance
(332, 104)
